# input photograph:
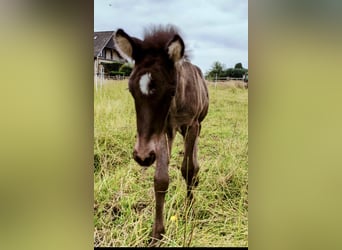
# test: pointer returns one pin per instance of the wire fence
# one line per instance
(101, 78)
(223, 79)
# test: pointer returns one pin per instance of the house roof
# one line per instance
(103, 39)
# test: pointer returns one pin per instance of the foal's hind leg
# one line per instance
(190, 165)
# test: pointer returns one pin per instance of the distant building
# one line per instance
(104, 51)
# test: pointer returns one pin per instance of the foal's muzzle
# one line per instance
(144, 161)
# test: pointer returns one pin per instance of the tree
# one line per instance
(216, 70)
(238, 66)
(229, 72)
(237, 73)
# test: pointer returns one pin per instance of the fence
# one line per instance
(229, 81)
(223, 79)
(100, 78)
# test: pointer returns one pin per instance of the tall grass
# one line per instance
(123, 191)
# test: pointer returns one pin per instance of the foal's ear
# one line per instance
(126, 46)
(175, 48)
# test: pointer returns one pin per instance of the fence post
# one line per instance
(215, 80)
(102, 75)
(96, 81)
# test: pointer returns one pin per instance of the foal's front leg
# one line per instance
(161, 184)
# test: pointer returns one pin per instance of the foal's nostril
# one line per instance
(144, 161)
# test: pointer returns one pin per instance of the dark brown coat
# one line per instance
(170, 95)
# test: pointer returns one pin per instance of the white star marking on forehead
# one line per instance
(144, 82)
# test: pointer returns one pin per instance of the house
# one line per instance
(104, 51)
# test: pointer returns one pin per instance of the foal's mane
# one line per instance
(157, 36)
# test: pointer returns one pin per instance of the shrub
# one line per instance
(109, 67)
(116, 73)
(126, 69)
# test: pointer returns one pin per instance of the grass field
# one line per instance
(123, 191)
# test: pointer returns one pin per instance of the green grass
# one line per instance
(123, 191)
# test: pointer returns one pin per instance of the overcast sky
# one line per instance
(213, 30)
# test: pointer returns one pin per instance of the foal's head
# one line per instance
(152, 84)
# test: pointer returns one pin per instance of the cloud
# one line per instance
(215, 30)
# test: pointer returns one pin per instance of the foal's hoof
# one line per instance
(156, 236)
(153, 242)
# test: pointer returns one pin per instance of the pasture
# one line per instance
(123, 191)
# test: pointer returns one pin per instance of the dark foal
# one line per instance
(170, 95)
